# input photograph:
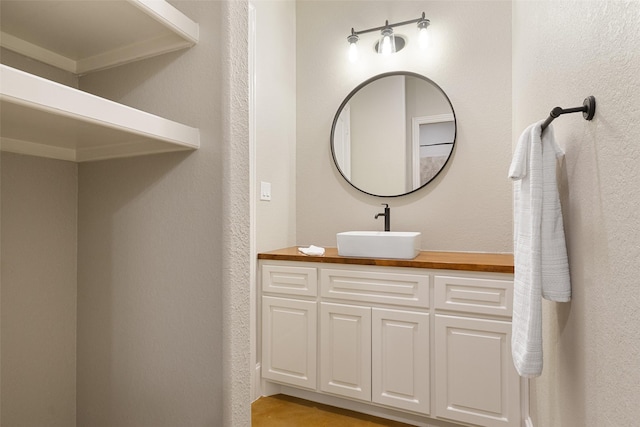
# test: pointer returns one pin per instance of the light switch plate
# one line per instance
(265, 191)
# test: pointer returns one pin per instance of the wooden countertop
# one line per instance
(468, 261)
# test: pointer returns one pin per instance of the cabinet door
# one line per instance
(475, 379)
(289, 341)
(345, 357)
(400, 359)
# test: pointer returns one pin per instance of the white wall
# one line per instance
(378, 153)
(163, 280)
(39, 221)
(38, 280)
(468, 206)
(417, 91)
(151, 248)
(275, 120)
(37, 68)
(274, 136)
(562, 52)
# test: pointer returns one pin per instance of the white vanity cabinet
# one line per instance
(427, 342)
(381, 345)
(289, 325)
(375, 354)
(475, 377)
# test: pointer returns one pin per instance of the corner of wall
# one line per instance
(236, 234)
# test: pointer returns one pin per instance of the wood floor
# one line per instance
(286, 411)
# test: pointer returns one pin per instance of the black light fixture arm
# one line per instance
(588, 110)
(387, 25)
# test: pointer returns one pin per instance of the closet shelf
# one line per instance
(47, 119)
(85, 36)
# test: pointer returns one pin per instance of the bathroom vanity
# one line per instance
(412, 340)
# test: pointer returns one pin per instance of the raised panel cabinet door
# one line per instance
(476, 381)
(289, 341)
(345, 350)
(400, 359)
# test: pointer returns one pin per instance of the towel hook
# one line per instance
(588, 111)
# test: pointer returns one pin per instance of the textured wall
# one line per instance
(39, 206)
(562, 52)
(236, 219)
(468, 207)
(150, 270)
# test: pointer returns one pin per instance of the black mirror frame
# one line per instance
(371, 80)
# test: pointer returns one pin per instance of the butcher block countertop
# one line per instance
(467, 261)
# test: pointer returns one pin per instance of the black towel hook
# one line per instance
(588, 111)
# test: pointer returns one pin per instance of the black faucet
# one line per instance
(387, 217)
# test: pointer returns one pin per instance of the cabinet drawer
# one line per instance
(370, 286)
(290, 280)
(474, 295)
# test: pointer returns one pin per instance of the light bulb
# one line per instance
(423, 38)
(353, 48)
(387, 45)
(423, 33)
(353, 52)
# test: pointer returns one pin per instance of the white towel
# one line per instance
(540, 252)
(312, 250)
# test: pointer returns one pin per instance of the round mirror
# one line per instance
(393, 134)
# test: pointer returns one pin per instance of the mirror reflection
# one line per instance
(393, 134)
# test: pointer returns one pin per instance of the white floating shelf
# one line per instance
(85, 36)
(47, 119)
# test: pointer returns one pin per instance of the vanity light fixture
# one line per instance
(387, 43)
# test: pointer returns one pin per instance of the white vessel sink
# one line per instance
(379, 244)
